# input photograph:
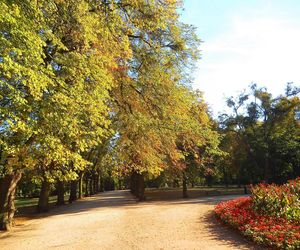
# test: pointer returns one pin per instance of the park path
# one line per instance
(114, 220)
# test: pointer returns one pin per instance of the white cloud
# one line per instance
(256, 49)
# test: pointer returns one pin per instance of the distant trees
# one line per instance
(261, 136)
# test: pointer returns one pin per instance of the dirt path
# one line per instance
(113, 220)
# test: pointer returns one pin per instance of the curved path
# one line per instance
(113, 220)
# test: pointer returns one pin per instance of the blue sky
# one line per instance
(245, 41)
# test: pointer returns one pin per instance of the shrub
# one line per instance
(279, 201)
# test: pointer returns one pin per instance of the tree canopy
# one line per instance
(92, 89)
(261, 136)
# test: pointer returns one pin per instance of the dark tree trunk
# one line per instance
(141, 188)
(120, 183)
(86, 185)
(99, 181)
(5, 183)
(239, 178)
(96, 183)
(225, 175)
(73, 191)
(101, 184)
(91, 186)
(137, 185)
(43, 204)
(60, 193)
(133, 183)
(184, 185)
(267, 168)
(8, 185)
(80, 185)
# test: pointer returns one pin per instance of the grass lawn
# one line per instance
(28, 206)
(28, 202)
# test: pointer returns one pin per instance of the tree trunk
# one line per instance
(133, 183)
(80, 185)
(60, 193)
(73, 191)
(8, 185)
(99, 181)
(239, 178)
(91, 185)
(96, 183)
(5, 183)
(120, 183)
(86, 186)
(101, 184)
(184, 185)
(43, 204)
(225, 176)
(141, 187)
(267, 168)
(137, 185)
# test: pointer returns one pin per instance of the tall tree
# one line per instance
(54, 88)
(266, 129)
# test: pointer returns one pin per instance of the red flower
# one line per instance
(272, 231)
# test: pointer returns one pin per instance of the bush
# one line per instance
(279, 201)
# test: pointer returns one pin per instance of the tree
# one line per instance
(22, 83)
(197, 140)
(54, 89)
(151, 93)
(264, 133)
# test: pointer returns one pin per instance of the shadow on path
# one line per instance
(123, 198)
(225, 235)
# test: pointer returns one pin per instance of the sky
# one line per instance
(244, 42)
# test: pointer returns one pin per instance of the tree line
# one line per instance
(92, 89)
(259, 141)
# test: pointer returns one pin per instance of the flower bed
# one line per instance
(268, 230)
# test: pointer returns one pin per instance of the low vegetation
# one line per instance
(265, 217)
(278, 201)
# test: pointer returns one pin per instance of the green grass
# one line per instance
(30, 202)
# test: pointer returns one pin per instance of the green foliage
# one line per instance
(99, 89)
(279, 201)
(261, 136)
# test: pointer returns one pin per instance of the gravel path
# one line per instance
(113, 220)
